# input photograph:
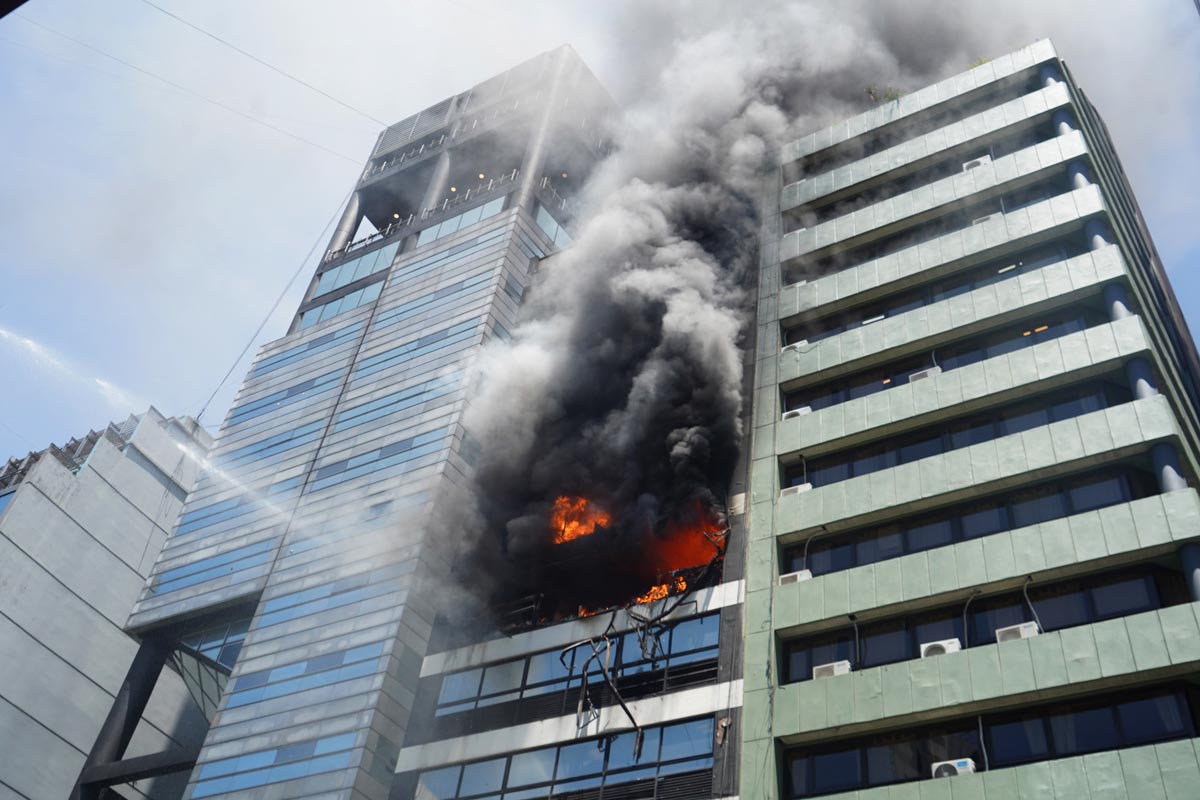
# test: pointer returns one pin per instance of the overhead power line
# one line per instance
(266, 64)
(186, 90)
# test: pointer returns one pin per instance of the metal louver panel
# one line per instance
(417, 125)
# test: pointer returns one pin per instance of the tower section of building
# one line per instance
(972, 550)
(299, 571)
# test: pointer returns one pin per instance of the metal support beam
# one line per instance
(125, 714)
(136, 769)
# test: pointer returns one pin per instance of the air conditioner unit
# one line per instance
(831, 670)
(795, 577)
(940, 648)
(803, 487)
(794, 345)
(797, 412)
(923, 374)
(1010, 633)
(948, 769)
(976, 162)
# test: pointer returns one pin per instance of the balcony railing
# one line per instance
(397, 160)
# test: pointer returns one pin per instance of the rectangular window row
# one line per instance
(546, 673)
(220, 565)
(980, 516)
(367, 294)
(300, 352)
(461, 221)
(1044, 327)
(271, 446)
(356, 269)
(432, 389)
(559, 771)
(285, 763)
(253, 502)
(351, 589)
(423, 345)
(446, 296)
(381, 458)
(456, 255)
(323, 670)
(946, 168)
(945, 219)
(283, 397)
(994, 271)
(1041, 733)
(1051, 607)
(947, 436)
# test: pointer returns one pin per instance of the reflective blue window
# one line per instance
(5, 499)
(309, 348)
(283, 397)
(367, 294)
(455, 223)
(272, 766)
(356, 269)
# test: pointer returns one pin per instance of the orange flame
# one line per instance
(574, 517)
(662, 590)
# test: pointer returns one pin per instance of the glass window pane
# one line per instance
(1083, 731)
(460, 686)
(470, 217)
(1097, 494)
(1025, 422)
(798, 665)
(951, 746)
(428, 235)
(533, 767)
(930, 535)
(985, 521)
(695, 634)
(327, 281)
(918, 450)
(502, 677)
(1123, 598)
(886, 646)
(798, 776)
(837, 771)
(879, 548)
(441, 784)
(985, 621)
(1062, 610)
(484, 776)
(371, 292)
(1152, 719)
(491, 208)
(891, 763)
(620, 752)
(448, 226)
(1032, 510)
(546, 667)
(689, 739)
(577, 760)
(935, 630)
(830, 559)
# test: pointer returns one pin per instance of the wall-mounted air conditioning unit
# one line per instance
(940, 648)
(976, 162)
(1010, 633)
(794, 345)
(923, 374)
(797, 412)
(831, 670)
(948, 769)
(803, 487)
(795, 577)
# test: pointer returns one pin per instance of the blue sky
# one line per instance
(146, 233)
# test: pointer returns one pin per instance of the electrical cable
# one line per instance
(188, 91)
(275, 306)
(266, 64)
(1036, 619)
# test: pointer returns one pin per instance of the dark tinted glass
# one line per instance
(892, 763)
(1152, 719)
(1124, 598)
(1084, 731)
(1018, 742)
(836, 771)
(886, 646)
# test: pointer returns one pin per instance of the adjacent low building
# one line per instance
(81, 525)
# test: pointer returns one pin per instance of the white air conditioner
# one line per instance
(925, 373)
(794, 345)
(797, 412)
(976, 162)
(795, 577)
(804, 487)
(981, 220)
(1010, 633)
(940, 648)
(831, 670)
(948, 769)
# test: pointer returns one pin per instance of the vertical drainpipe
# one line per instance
(533, 164)
(348, 224)
(1049, 75)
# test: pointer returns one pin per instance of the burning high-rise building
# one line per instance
(456, 542)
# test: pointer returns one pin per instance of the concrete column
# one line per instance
(1141, 379)
(1098, 234)
(1166, 468)
(1189, 555)
(1080, 175)
(1049, 75)
(1117, 301)
(435, 192)
(533, 164)
(348, 224)
(1063, 121)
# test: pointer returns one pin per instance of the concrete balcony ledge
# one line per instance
(907, 156)
(938, 257)
(910, 208)
(1045, 549)
(956, 86)
(996, 675)
(1099, 349)
(1088, 440)
(930, 326)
